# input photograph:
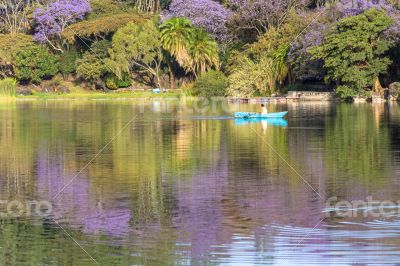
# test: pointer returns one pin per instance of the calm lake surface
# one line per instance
(153, 182)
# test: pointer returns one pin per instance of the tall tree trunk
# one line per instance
(171, 76)
(157, 77)
(378, 87)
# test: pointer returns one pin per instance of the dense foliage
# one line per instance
(91, 67)
(99, 28)
(137, 47)
(34, 63)
(193, 48)
(211, 83)
(113, 82)
(68, 62)
(10, 44)
(354, 52)
(261, 47)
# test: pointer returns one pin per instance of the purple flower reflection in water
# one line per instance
(199, 213)
(77, 205)
(222, 205)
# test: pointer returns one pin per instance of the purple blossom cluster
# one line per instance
(52, 20)
(262, 14)
(207, 14)
(305, 67)
(355, 7)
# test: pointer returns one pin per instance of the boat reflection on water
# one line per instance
(279, 122)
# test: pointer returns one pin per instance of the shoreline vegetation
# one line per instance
(68, 90)
(230, 48)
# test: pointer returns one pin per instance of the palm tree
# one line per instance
(280, 66)
(175, 35)
(193, 48)
(203, 52)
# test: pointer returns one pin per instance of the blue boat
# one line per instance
(158, 90)
(258, 115)
(280, 122)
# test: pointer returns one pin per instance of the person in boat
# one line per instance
(264, 109)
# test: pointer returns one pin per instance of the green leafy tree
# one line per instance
(92, 67)
(355, 52)
(211, 83)
(263, 67)
(33, 63)
(10, 44)
(113, 82)
(100, 28)
(102, 8)
(68, 62)
(137, 47)
(252, 77)
(259, 72)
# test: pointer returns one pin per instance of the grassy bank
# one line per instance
(98, 95)
(77, 92)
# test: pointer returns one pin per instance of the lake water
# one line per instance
(158, 182)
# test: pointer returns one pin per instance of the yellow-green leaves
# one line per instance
(193, 48)
(136, 46)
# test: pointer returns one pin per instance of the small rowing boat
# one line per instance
(258, 115)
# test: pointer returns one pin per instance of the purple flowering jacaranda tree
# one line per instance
(207, 14)
(252, 18)
(54, 18)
